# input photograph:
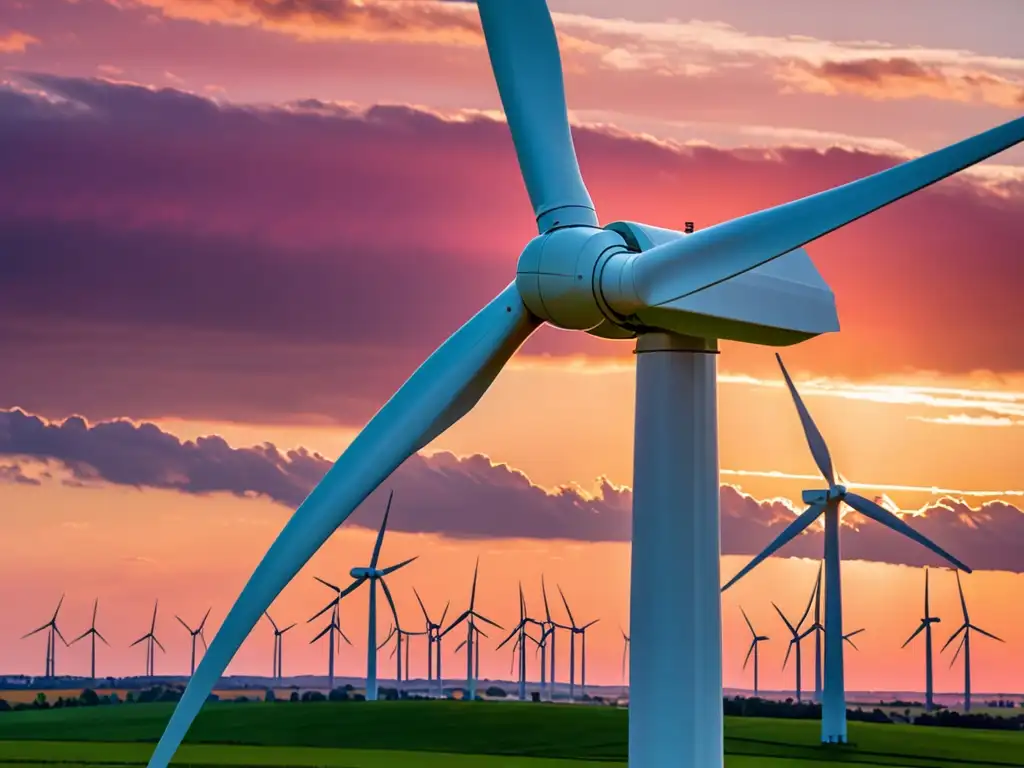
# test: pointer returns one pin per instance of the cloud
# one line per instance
(472, 497)
(16, 42)
(903, 78)
(215, 260)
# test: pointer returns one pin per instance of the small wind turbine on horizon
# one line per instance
(333, 644)
(625, 654)
(93, 633)
(472, 657)
(548, 631)
(372, 575)
(827, 501)
(151, 642)
(193, 634)
(51, 640)
(433, 632)
(965, 644)
(573, 629)
(519, 632)
(926, 626)
(401, 636)
(797, 636)
(278, 643)
(755, 642)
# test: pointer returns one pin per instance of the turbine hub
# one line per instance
(558, 275)
(836, 492)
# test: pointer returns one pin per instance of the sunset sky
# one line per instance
(230, 229)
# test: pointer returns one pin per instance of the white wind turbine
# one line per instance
(433, 633)
(827, 501)
(753, 650)
(472, 642)
(926, 626)
(798, 634)
(677, 294)
(625, 654)
(372, 575)
(965, 644)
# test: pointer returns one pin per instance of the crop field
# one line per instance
(431, 734)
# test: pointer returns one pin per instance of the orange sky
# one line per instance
(890, 425)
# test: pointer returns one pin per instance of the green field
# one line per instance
(460, 735)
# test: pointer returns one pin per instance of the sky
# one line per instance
(230, 229)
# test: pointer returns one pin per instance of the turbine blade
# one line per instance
(267, 614)
(322, 632)
(95, 606)
(447, 605)
(394, 568)
(327, 584)
(84, 634)
(953, 637)
(162, 649)
(55, 629)
(290, 626)
(789, 626)
(391, 602)
(807, 610)
(963, 600)
(203, 638)
(566, 604)
(380, 533)
(847, 639)
(524, 55)
(791, 532)
(391, 633)
(101, 637)
(455, 623)
(917, 632)
(459, 646)
(144, 637)
(749, 651)
(987, 634)
(789, 648)
(35, 631)
(181, 621)
(426, 616)
(472, 592)
(351, 588)
(205, 617)
(544, 591)
(710, 256)
(511, 635)
(819, 450)
(485, 619)
(316, 615)
(589, 624)
(343, 636)
(877, 513)
(958, 649)
(855, 632)
(751, 626)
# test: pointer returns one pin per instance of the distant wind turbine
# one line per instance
(625, 654)
(833, 711)
(151, 642)
(51, 640)
(757, 640)
(195, 633)
(92, 633)
(926, 626)
(335, 626)
(519, 632)
(372, 575)
(278, 642)
(797, 635)
(548, 632)
(433, 632)
(469, 616)
(848, 635)
(574, 630)
(401, 636)
(965, 644)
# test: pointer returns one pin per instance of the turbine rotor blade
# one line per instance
(380, 534)
(791, 532)
(750, 651)
(917, 631)
(819, 450)
(986, 634)
(710, 256)
(881, 515)
(751, 626)
(963, 600)
(394, 568)
(523, 49)
(789, 626)
(963, 627)
(789, 648)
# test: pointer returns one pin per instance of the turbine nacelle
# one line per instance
(835, 493)
(365, 573)
(604, 282)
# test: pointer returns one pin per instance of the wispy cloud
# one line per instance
(932, 490)
(16, 42)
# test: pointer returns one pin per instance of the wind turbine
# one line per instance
(678, 294)
(195, 633)
(574, 630)
(849, 635)
(51, 643)
(150, 639)
(818, 629)
(965, 644)
(400, 635)
(833, 711)
(372, 575)
(335, 608)
(625, 653)
(92, 633)
(519, 632)
(433, 633)
(797, 636)
(926, 627)
(278, 643)
(548, 632)
(753, 649)
(469, 616)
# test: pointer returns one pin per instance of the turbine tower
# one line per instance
(278, 643)
(333, 644)
(433, 632)
(51, 640)
(757, 639)
(372, 575)
(151, 643)
(678, 294)
(926, 626)
(573, 629)
(827, 501)
(469, 616)
(195, 633)
(92, 633)
(797, 636)
(548, 632)
(625, 653)
(965, 644)
(818, 629)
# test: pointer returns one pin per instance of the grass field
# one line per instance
(431, 734)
